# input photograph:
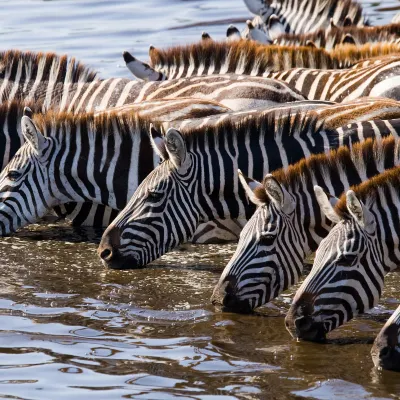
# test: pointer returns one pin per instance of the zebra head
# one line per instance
(347, 275)
(386, 349)
(163, 211)
(270, 253)
(24, 182)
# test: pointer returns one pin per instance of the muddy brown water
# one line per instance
(69, 328)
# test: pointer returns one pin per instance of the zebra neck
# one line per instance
(101, 167)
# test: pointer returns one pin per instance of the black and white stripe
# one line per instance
(289, 224)
(352, 261)
(198, 180)
(386, 349)
(302, 16)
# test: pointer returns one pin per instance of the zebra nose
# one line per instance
(110, 242)
(225, 295)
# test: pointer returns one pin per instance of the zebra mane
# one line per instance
(15, 108)
(50, 65)
(52, 122)
(274, 124)
(348, 54)
(335, 35)
(298, 176)
(368, 191)
(240, 56)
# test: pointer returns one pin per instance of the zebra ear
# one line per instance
(327, 203)
(275, 27)
(279, 195)
(158, 143)
(205, 36)
(348, 39)
(254, 190)
(32, 135)
(139, 69)
(360, 213)
(310, 43)
(232, 33)
(347, 22)
(176, 147)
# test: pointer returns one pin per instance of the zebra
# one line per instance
(197, 182)
(100, 157)
(329, 39)
(289, 224)
(385, 351)
(29, 76)
(74, 88)
(11, 139)
(351, 263)
(309, 15)
(396, 18)
(249, 58)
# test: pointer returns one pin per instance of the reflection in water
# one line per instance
(71, 329)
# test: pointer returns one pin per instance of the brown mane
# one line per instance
(264, 57)
(299, 175)
(70, 70)
(335, 35)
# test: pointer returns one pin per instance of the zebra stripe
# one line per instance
(304, 16)
(256, 59)
(198, 182)
(386, 349)
(289, 224)
(351, 262)
(27, 75)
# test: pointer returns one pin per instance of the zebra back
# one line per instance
(251, 58)
(23, 75)
(311, 15)
(330, 38)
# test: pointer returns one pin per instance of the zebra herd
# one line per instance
(289, 145)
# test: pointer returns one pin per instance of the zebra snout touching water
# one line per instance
(352, 261)
(288, 223)
(386, 349)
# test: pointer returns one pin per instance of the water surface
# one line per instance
(69, 328)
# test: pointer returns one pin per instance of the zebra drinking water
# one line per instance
(351, 263)
(289, 224)
(386, 349)
(197, 182)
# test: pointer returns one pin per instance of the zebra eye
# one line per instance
(267, 239)
(13, 175)
(348, 259)
(155, 196)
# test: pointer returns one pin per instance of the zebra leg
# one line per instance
(218, 231)
(386, 349)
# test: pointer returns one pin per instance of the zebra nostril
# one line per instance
(106, 254)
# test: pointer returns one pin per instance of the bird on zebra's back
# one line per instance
(336, 36)
(351, 263)
(289, 223)
(385, 351)
(198, 182)
(309, 15)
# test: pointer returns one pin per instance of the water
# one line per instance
(71, 329)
